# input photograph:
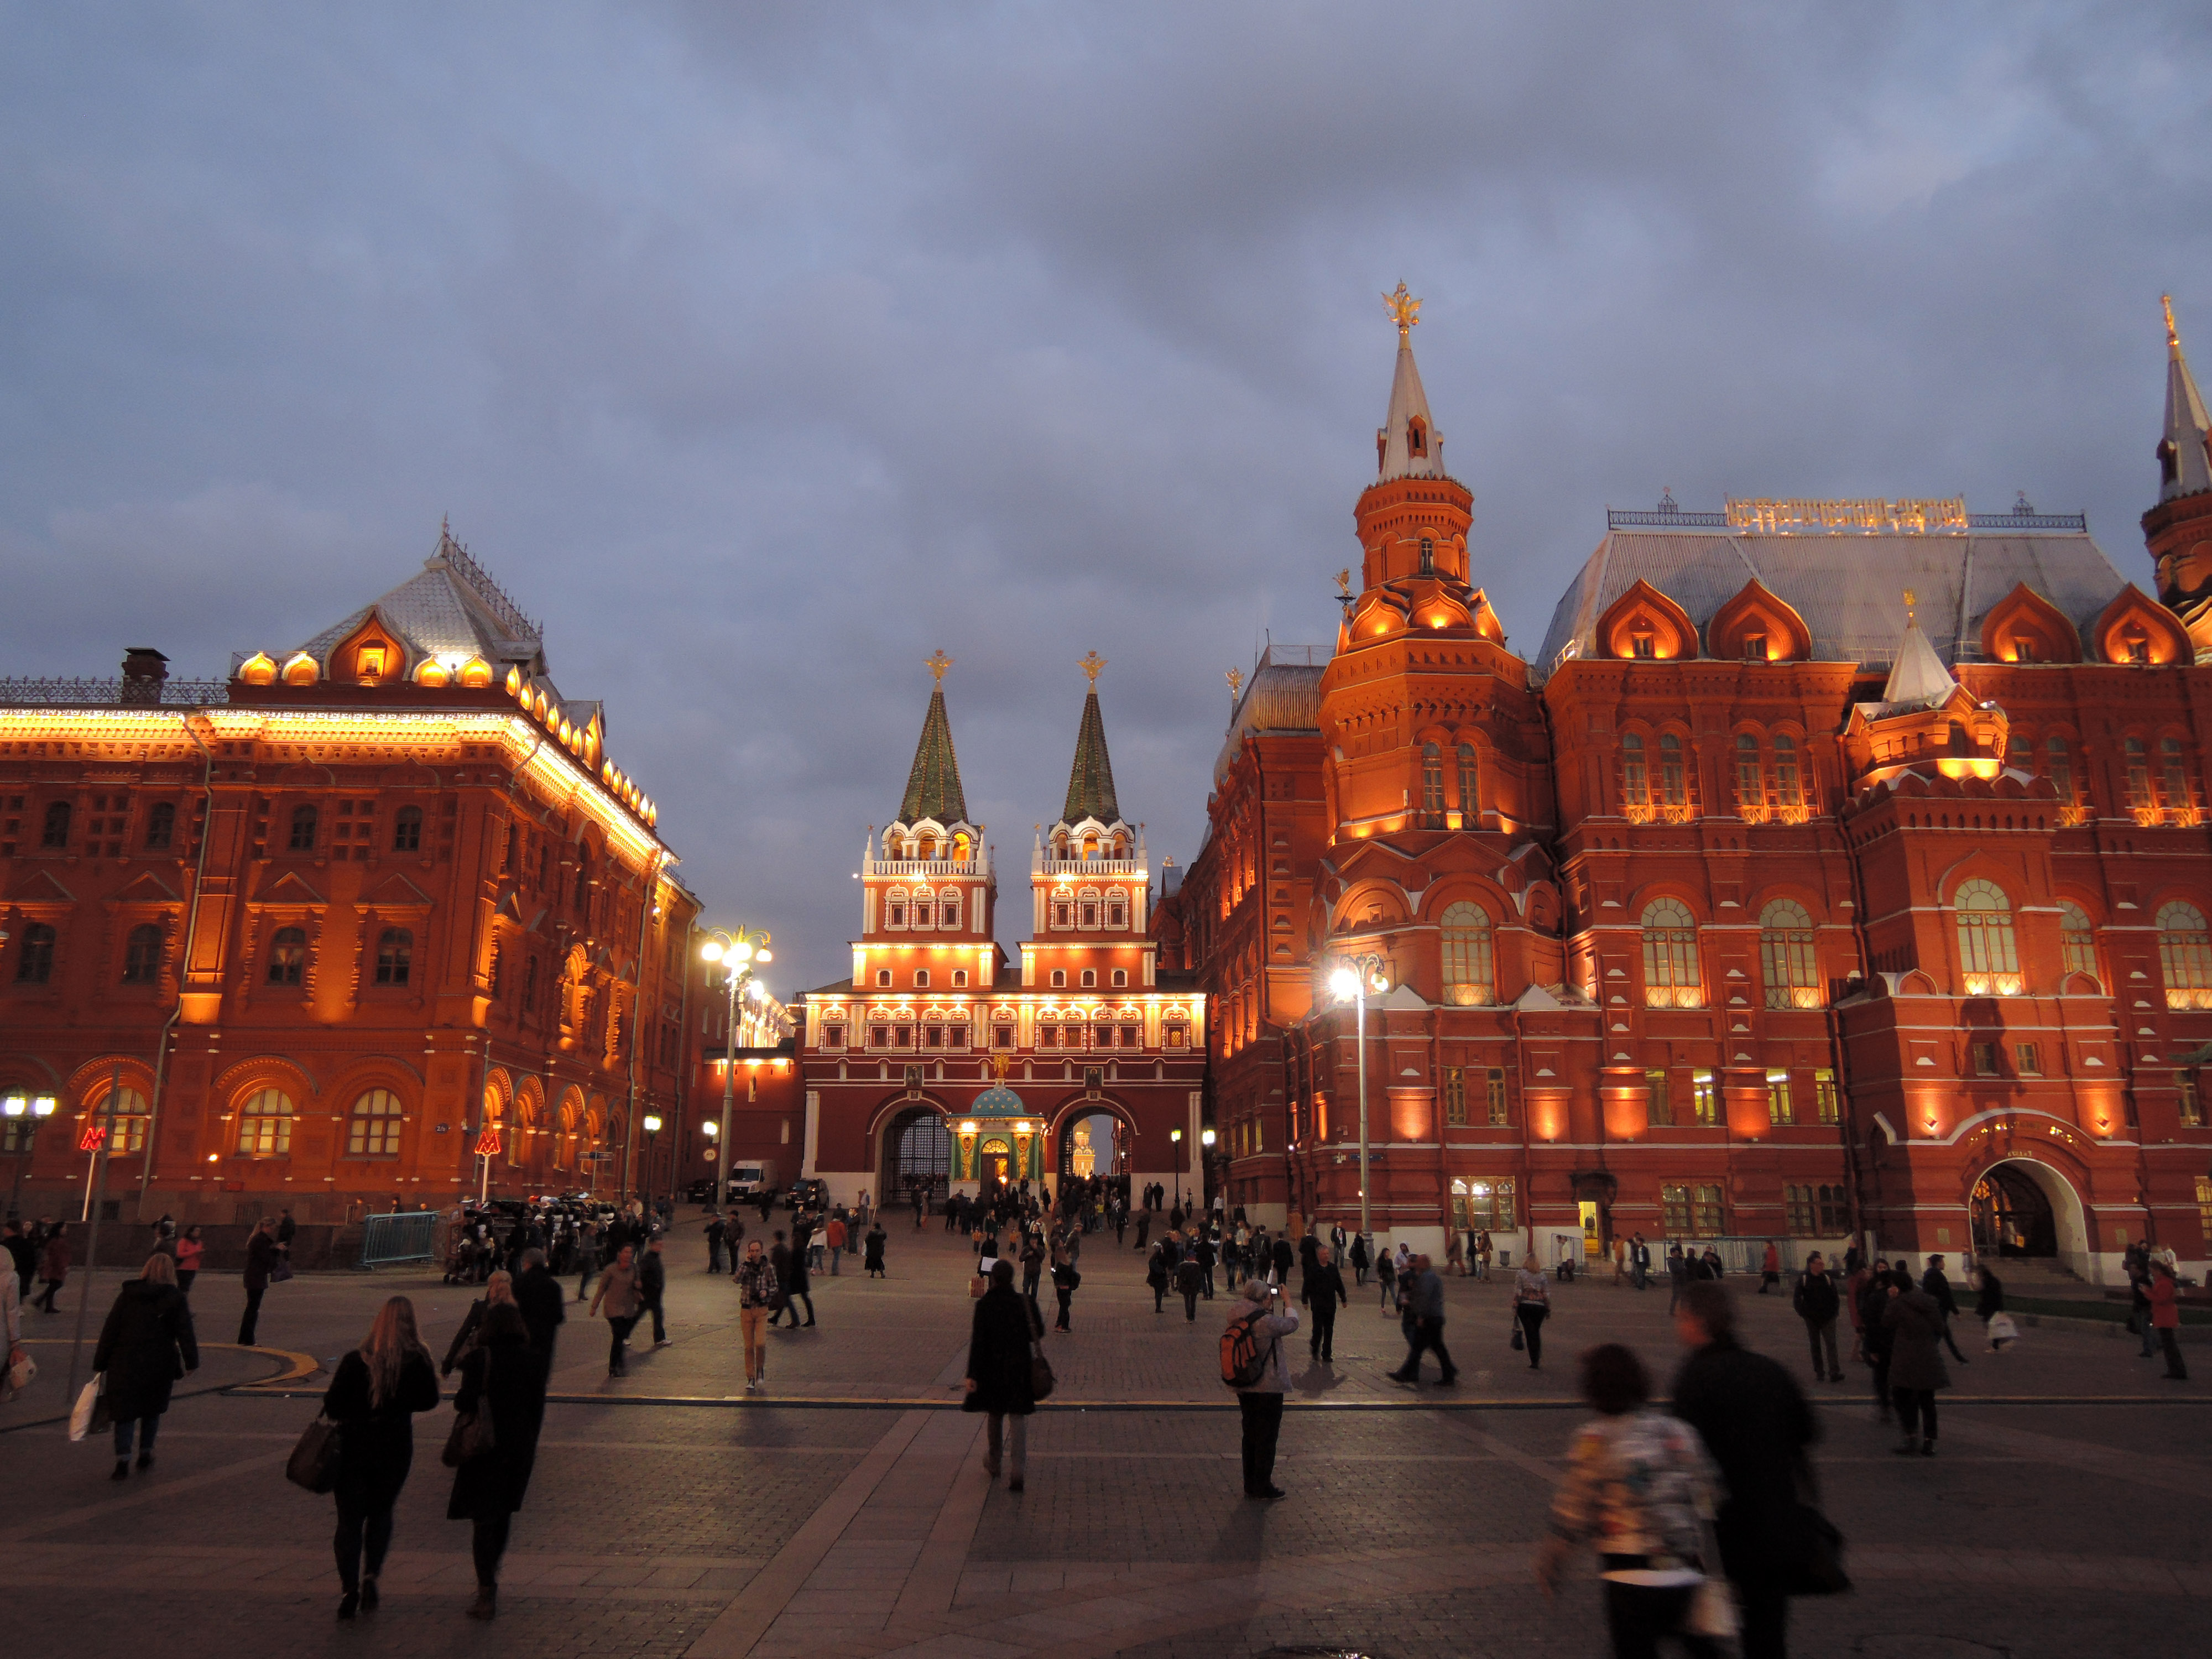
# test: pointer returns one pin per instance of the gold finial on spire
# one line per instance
(1235, 678)
(1090, 664)
(2172, 334)
(1405, 311)
(1910, 599)
(1344, 583)
(937, 663)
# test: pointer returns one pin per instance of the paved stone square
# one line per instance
(2069, 1510)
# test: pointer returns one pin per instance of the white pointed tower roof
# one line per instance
(2183, 455)
(1409, 445)
(1918, 679)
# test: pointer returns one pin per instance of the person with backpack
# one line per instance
(1252, 1363)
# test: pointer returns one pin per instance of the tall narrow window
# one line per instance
(2060, 768)
(1779, 1109)
(1706, 1212)
(1658, 1110)
(1671, 979)
(142, 955)
(407, 831)
(1432, 786)
(395, 956)
(2185, 956)
(34, 957)
(529, 985)
(1470, 980)
(1786, 958)
(1750, 789)
(1987, 957)
(2192, 1109)
(1827, 1105)
(302, 838)
(1496, 1083)
(287, 956)
(1675, 1210)
(1470, 791)
(2077, 940)
(2138, 765)
(56, 830)
(1428, 555)
(1787, 793)
(1635, 787)
(264, 1125)
(160, 826)
(2173, 777)
(1705, 1099)
(1673, 788)
(1455, 1080)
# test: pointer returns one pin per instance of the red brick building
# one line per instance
(1835, 869)
(337, 922)
(935, 1063)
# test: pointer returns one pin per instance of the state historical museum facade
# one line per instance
(1836, 869)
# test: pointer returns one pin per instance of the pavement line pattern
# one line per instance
(150, 1492)
(2106, 1460)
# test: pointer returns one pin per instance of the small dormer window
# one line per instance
(1643, 645)
(2137, 645)
(2025, 649)
(1754, 647)
(1428, 555)
(368, 663)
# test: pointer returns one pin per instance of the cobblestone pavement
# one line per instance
(849, 1514)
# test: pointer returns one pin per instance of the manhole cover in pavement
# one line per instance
(1915, 1645)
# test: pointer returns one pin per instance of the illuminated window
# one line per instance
(1658, 1110)
(2027, 1058)
(2173, 777)
(1497, 1088)
(1675, 1210)
(395, 956)
(2204, 1204)
(1785, 770)
(2185, 956)
(372, 1131)
(1485, 1206)
(1634, 789)
(142, 955)
(959, 979)
(2077, 940)
(1470, 794)
(1827, 1105)
(1672, 791)
(1705, 1099)
(303, 829)
(160, 826)
(368, 663)
(264, 1125)
(1454, 1082)
(1432, 786)
(1671, 979)
(2192, 1109)
(1986, 954)
(1779, 1109)
(921, 979)
(1470, 980)
(1706, 1214)
(1786, 959)
(124, 1112)
(287, 956)
(407, 829)
(1642, 646)
(1175, 1035)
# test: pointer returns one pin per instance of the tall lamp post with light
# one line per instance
(739, 953)
(17, 1109)
(1176, 1136)
(1351, 983)
(1205, 1168)
(652, 1157)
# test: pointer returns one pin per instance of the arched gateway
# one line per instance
(2022, 1207)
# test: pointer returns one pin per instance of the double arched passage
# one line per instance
(925, 1145)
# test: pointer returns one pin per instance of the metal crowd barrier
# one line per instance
(408, 1237)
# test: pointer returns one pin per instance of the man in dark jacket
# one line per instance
(1756, 1424)
(1424, 1308)
(1818, 1303)
(1939, 1287)
(261, 1257)
(652, 1286)
(1324, 1294)
(542, 1301)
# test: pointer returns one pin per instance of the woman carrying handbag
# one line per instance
(1640, 1489)
(372, 1401)
(501, 1400)
(1000, 1381)
(146, 1345)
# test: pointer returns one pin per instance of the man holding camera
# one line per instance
(1261, 1402)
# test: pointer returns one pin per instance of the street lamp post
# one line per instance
(1204, 1168)
(651, 1123)
(1350, 983)
(739, 952)
(1175, 1135)
(38, 1109)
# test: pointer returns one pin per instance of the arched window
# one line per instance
(34, 957)
(921, 979)
(142, 955)
(2077, 940)
(407, 832)
(2138, 763)
(1635, 785)
(395, 956)
(1671, 979)
(1673, 790)
(264, 1125)
(1470, 977)
(287, 956)
(1750, 789)
(1986, 954)
(2185, 956)
(1432, 786)
(1786, 958)
(1470, 788)
(374, 1129)
(948, 912)
(894, 908)
(55, 833)
(303, 829)
(2172, 776)
(125, 1111)
(160, 826)
(1428, 555)
(1785, 771)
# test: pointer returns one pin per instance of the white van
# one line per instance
(747, 1179)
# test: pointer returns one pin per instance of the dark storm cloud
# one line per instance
(759, 353)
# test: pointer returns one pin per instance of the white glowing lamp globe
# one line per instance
(1345, 983)
(711, 950)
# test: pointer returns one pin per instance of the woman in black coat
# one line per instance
(146, 1345)
(1006, 1323)
(372, 1399)
(505, 1375)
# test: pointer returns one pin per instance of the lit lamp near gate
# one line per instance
(739, 953)
(1175, 1135)
(15, 1107)
(651, 1121)
(1204, 1166)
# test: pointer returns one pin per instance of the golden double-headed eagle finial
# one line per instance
(1910, 600)
(1405, 310)
(1235, 678)
(937, 663)
(2172, 334)
(1090, 664)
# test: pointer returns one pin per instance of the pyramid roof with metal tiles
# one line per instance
(1091, 780)
(932, 786)
(451, 610)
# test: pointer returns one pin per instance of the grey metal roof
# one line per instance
(1281, 696)
(449, 609)
(1849, 588)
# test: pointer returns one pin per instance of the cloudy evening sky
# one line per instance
(759, 351)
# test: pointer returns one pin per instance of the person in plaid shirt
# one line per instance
(756, 1291)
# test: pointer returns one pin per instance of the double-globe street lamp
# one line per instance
(15, 1109)
(739, 953)
(1354, 978)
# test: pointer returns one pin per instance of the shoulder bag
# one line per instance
(314, 1463)
(1041, 1377)
(472, 1434)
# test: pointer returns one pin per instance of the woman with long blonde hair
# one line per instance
(372, 1399)
(499, 1288)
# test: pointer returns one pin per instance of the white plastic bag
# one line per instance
(87, 1403)
(1712, 1610)
(23, 1371)
(2003, 1330)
